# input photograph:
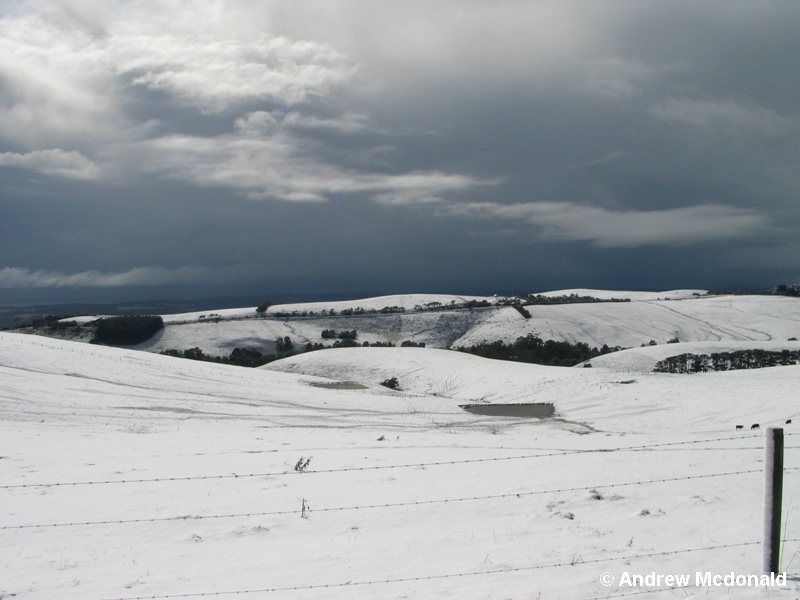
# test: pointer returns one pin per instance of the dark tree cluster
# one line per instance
(792, 290)
(410, 344)
(284, 345)
(348, 312)
(392, 309)
(330, 334)
(241, 357)
(566, 299)
(521, 310)
(727, 361)
(477, 304)
(347, 344)
(532, 349)
(126, 331)
(392, 383)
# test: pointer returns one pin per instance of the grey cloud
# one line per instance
(269, 122)
(54, 87)
(78, 88)
(13, 277)
(617, 78)
(278, 166)
(215, 73)
(567, 221)
(346, 124)
(55, 162)
(727, 116)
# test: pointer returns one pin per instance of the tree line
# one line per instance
(727, 361)
(573, 298)
(532, 349)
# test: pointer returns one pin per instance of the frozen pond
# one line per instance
(537, 410)
(341, 385)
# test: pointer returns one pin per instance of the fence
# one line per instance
(305, 510)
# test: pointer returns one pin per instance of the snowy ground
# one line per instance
(132, 475)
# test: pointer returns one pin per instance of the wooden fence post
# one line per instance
(773, 495)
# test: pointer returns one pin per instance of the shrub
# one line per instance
(392, 383)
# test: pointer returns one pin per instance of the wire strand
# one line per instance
(307, 510)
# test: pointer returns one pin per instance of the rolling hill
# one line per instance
(131, 475)
(442, 321)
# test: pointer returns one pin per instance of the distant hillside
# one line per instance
(16, 316)
(447, 321)
(12, 317)
(644, 359)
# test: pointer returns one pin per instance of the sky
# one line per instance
(190, 149)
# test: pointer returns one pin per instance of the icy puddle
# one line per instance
(538, 410)
(341, 385)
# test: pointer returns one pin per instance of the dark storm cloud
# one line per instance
(397, 146)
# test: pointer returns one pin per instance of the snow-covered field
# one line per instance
(127, 474)
(133, 475)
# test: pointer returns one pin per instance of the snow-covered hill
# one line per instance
(630, 324)
(644, 359)
(615, 399)
(438, 321)
(132, 475)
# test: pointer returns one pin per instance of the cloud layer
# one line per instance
(11, 277)
(54, 162)
(439, 138)
(567, 221)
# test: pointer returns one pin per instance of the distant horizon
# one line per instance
(307, 296)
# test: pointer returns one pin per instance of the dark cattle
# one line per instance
(755, 426)
(740, 427)
(788, 421)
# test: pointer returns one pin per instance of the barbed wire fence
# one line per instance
(411, 503)
(305, 510)
(355, 584)
(416, 465)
